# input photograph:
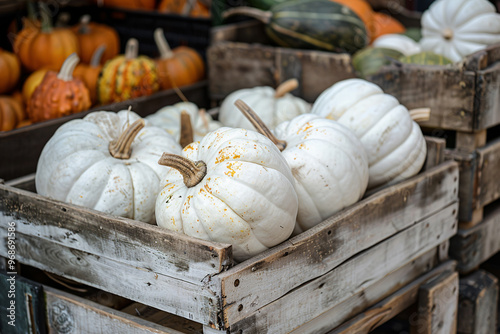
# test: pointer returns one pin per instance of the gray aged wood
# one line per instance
(488, 173)
(478, 300)
(386, 309)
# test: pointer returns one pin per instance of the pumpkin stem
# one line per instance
(45, 16)
(122, 148)
(447, 34)
(162, 44)
(263, 16)
(131, 49)
(286, 87)
(259, 124)
(84, 24)
(186, 130)
(67, 68)
(95, 61)
(420, 114)
(188, 7)
(203, 114)
(192, 171)
(30, 6)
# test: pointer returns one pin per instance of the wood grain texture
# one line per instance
(487, 97)
(478, 302)
(130, 242)
(312, 254)
(21, 148)
(488, 173)
(437, 306)
(471, 247)
(385, 310)
(318, 295)
(435, 152)
(67, 313)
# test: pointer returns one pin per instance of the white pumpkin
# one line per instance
(235, 187)
(398, 42)
(106, 161)
(168, 118)
(457, 28)
(394, 143)
(273, 106)
(329, 165)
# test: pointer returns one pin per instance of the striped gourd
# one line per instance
(370, 60)
(425, 58)
(311, 24)
(127, 76)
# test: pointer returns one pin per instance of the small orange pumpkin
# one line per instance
(89, 74)
(91, 35)
(192, 8)
(31, 83)
(363, 10)
(128, 4)
(11, 113)
(59, 94)
(178, 67)
(386, 24)
(45, 47)
(10, 70)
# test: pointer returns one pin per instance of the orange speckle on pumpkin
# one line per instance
(306, 127)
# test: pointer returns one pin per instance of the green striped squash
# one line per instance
(369, 60)
(311, 24)
(425, 58)
(264, 4)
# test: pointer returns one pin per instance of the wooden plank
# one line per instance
(385, 310)
(437, 306)
(469, 141)
(189, 300)
(447, 90)
(435, 151)
(270, 275)
(67, 313)
(251, 31)
(22, 147)
(124, 240)
(488, 173)
(311, 299)
(488, 97)
(471, 247)
(478, 302)
(373, 294)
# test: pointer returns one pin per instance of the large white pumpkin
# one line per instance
(79, 164)
(235, 187)
(272, 106)
(394, 143)
(168, 118)
(329, 165)
(457, 28)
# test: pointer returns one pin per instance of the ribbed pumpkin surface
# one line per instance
(11, 113)
(426, 58)
(184, 68)
(317, 24)
(122, 79)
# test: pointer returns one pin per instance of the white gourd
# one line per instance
(457, 28)
(84, 163)
(168, 118)
(394, 143)
(272, 106)
(398, 42)
(234, 187)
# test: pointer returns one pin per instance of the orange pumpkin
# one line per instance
(31, 83)
(45, 47)
(10, 70)
(192, 8)
(364, 11)
(92, 35)
(128, 4)
(11, 113)
(59, 94)
(386, 24)
(89, 74)
(178, 67)
(24, 122)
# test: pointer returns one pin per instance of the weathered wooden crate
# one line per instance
(21, 148)
(312, 282)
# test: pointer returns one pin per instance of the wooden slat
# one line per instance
(311, 299)
(437, 306)
(373, 294)
(488, 97)
(471, 247)
(67, 313)
(435, 151)
(251, 31)
(124, 240)
(192, 301)
(478, 302)
(270, 275)
(21, 148)
(391, 306)
(488, 172)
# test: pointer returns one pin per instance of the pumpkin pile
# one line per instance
(192, 8)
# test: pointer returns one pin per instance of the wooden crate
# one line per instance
(339, 268)
(21, 148)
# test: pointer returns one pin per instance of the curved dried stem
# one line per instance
(192, 171)
(67, 68)
(286, 87)
(122, 148)
(187, 136)
(131, 49)
(420, 114)
(162, 44)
